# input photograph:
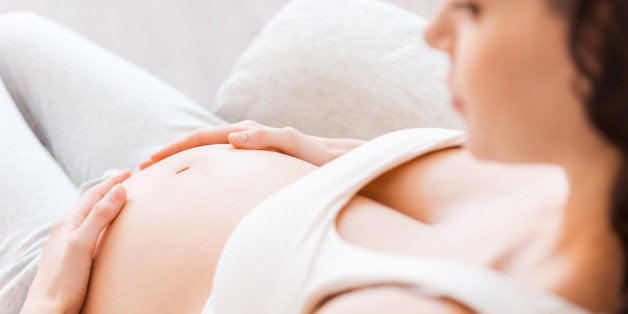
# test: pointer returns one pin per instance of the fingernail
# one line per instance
(116, 193)
(239, 137)
(122, 172)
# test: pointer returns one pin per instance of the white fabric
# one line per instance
(340, 68)
(286, 256)
(70, 113)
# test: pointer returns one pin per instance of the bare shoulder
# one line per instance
(390, 299)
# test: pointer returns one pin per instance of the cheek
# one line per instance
(515, 88)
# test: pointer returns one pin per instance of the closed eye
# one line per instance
(468, 6)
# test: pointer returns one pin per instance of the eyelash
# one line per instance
(473, 8)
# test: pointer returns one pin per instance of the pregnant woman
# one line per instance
(526, 212)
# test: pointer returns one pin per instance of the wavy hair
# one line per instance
(598, 44)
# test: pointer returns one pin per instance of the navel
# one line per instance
(183, 169)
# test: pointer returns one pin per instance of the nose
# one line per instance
(439, 33)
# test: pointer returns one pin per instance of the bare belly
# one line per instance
(160, 254)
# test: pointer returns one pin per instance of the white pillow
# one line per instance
(340, 68)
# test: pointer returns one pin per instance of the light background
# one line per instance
(190, 44)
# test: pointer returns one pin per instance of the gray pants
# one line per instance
(70, 112)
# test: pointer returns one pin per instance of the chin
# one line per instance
(484, 150)
(478, 151)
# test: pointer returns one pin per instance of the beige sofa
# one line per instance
(190, 44)
(364, 89)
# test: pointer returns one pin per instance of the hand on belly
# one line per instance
(159, 255)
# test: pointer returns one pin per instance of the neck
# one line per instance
(586, 229)
(591, 175)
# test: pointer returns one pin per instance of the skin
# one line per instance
(60, 284)
(533, 169)
(514, 80)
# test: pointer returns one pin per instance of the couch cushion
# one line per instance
(340, 68)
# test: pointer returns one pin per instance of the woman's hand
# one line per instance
(60, 285)
(252, 135)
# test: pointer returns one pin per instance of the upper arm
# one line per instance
(390, 299)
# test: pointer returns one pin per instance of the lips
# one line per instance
(456, 104)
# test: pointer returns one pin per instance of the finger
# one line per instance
(215, 135)
(96, 193)
(285, 140)
(143, 165)
(100, 216)
(197, 138)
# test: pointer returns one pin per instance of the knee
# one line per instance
(25, 33)
(18, 25)
(21, 16)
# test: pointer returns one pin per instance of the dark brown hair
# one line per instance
(598, 43)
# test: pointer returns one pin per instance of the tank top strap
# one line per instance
(348, 173)
(292, 221)
(338, 181)
(342, 267)
(339, 266)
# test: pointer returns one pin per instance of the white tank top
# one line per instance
(286, 255)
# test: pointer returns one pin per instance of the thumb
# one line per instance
(238, 139)
(264, 138)
(286, 141)
(102, 213)
(258, 138)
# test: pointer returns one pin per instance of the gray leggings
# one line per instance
(70, 113)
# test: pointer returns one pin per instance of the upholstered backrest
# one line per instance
(341, 68)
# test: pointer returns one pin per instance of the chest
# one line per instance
(449, 204)
(495, 234)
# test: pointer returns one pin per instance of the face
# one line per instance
(512, 74)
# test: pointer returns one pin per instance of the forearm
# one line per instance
(37, 304)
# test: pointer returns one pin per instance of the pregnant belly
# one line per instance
(159, 255)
